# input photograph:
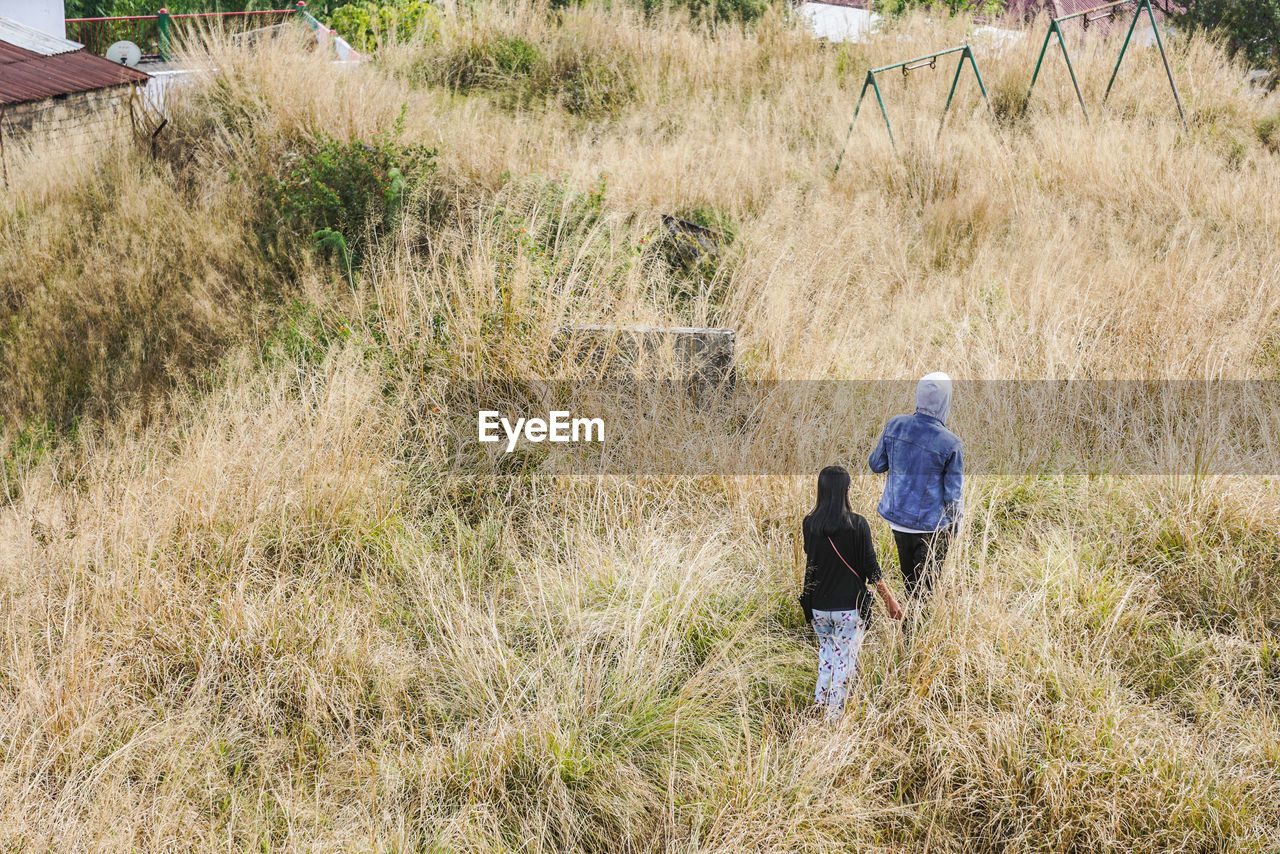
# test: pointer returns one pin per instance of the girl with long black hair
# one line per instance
(840, 566)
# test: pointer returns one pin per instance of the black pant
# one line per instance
(920, 555)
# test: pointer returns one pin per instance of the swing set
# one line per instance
(927, 61)
(1098, 13)
(1088, 16)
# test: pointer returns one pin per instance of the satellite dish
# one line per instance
(125, 53)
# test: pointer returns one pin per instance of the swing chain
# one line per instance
(1086, 20)
(933, 63)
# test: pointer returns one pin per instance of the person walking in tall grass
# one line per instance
(922, 499)
(840, 564)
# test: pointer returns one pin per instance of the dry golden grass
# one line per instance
(277, 615)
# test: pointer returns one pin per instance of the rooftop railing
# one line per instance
(157, 35)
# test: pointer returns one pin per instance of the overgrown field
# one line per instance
(251, 599)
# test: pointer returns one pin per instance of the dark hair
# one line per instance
(831, 513)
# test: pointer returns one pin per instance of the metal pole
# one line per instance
(981, 87)
(865, 83)
(162, 21)
(942, 120)
(1120, 58)
(883, 112)
(1165, 59)
(917, 59)
(1074, 82)
(954, 80)
(1035, 75)
(870, 80)
(973, 63)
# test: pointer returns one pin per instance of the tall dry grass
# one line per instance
(281, 615)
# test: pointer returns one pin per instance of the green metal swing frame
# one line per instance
(1106, 10)
(930, 60)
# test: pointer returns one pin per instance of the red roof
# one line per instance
(29, 76)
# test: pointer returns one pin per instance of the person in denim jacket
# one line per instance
(922, 500)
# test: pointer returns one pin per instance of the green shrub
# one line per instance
(28, 447)
(742, 11)
(978, 7)
(697, 262)
(494, 63)
(366, 24)
(340, 193)
(1251, 27)
(585, 79)
(590, 84)
(1269, 132)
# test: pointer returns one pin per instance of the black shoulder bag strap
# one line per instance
(842, 560)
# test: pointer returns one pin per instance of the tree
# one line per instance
(1252, 27)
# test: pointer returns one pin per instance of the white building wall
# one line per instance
(839, 23)
(47, 16)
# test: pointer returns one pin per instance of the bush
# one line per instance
(584, 78)
(341, 192)
(1269, 132)
(590, 84)
(368, 24)
(1252, 27)
(742, 11)
(977, 7)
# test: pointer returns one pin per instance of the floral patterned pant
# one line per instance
(839, 639)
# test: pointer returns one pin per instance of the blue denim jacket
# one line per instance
(925, 462)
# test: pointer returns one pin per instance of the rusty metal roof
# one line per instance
(28, 76)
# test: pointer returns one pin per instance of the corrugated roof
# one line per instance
(1028, 9)
(27, 76)
(21, 35)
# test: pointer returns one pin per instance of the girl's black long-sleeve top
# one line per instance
(829, 583)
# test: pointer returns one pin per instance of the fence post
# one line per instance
(162, 20)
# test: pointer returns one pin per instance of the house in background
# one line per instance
(840, 20)
(46, 16)
(856, 20)
(56, 96)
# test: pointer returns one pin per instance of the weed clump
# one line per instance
(1269, 132)
(345, 194)
(579, 72)
(367, 25)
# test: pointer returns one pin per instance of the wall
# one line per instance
(47, 16)
(840, 23)
(68, 124)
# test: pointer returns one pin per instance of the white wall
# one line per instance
(47, 16)
(839, 23)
